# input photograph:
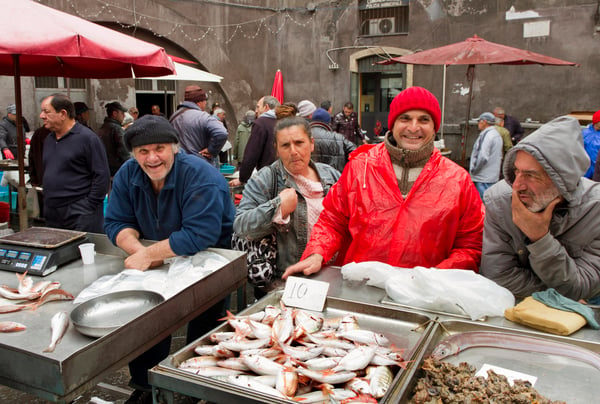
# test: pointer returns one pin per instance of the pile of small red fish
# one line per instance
(299, 355)
(28, 296)
(444, 382)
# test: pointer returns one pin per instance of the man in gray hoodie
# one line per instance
(542, 223)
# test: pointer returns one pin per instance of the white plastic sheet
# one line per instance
(449, 290)
(182, 272)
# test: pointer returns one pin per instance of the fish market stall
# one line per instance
(563, 368)
(403, 331)
(79, 362)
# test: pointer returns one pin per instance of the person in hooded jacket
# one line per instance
(542, 226)
(400, 202)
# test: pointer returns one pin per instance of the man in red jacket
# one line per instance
(400, 202)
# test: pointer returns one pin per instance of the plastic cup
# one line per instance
(87, 253)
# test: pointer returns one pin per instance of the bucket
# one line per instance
(4, 212)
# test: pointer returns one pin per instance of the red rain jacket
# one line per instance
(365, 217)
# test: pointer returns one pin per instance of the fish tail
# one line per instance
(229, 316)
(49, 348)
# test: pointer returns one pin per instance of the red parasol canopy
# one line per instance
(53, 43)
(277, 90)
(476, 51)
(41, 41)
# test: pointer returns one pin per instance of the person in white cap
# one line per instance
(486, 157)
(8, 132)
(306, 109)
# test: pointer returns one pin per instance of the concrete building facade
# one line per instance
(326, 50)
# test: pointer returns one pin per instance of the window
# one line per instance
(59, 82)
(46, 82)
(383, 17)
(154, 85)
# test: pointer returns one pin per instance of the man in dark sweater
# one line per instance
(111, 134)
(260, 150)
(76, 173)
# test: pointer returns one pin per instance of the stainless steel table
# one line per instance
(80, 362)
(358, 291)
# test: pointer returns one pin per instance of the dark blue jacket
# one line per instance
(193, 210)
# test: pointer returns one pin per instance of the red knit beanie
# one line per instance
(415, 98)
(596, 118)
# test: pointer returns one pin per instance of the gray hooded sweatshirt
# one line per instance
(567, 258)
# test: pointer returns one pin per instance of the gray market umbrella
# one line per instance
(41, 41)
(476, 51)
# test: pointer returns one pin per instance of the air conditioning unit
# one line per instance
(381, 26)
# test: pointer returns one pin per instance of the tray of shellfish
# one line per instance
(271, 353)
(463, 361)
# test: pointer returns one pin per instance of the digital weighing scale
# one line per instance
(39, 250)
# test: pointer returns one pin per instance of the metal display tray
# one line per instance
(558, 377)
(405, 329)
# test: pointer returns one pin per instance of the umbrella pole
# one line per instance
(21, 194)
(471, 78)
(443, 102)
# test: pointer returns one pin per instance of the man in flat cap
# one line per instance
(76, 175)
(8, 132)
(177, 199)
(82, 113)
(200, 133)
(111, 132)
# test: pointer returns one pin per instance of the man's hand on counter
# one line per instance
(140, 256)
(141, 260)
(309, 265)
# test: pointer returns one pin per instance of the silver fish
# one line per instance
(302, 353)
(356, 359)
(233, 363)
(11, 326)
(255, 385)
(212, 371)
(262, 366)
(25, 282)
(380, 380)
(322, 363)
(52, 295)
(283, 326)
(365, 337)
(287, 382)
(327, 376)
(242, 344)
(199, 362)
(491, 339)
(59, 325)
(11, 294)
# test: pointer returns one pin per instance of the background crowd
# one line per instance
(320, 192)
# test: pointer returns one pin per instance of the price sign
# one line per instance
(305, 293)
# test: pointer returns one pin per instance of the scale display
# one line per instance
(39, 251)
(37, 261)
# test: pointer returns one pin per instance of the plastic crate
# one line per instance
(4, 197)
